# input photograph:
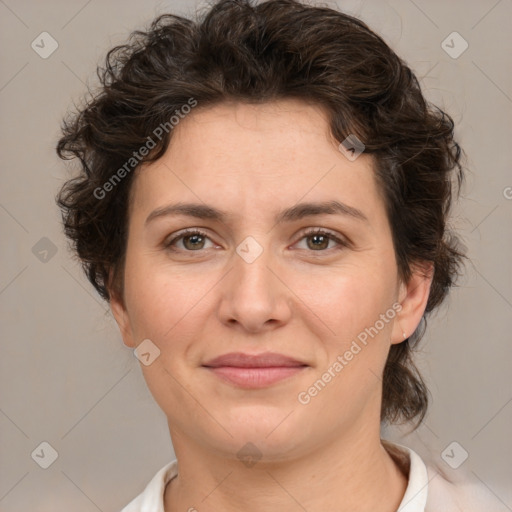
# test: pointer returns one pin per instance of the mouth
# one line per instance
(254, 371)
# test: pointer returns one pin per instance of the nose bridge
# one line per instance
(251, 269)
(253, 295)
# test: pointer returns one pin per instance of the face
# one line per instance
(257, 272)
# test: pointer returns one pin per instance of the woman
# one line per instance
(263, 202)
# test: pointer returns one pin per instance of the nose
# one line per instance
(254, 298)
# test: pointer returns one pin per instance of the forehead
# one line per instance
(252, 156)
(263, 138)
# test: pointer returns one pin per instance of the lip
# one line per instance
(262, 360)
(254, 371)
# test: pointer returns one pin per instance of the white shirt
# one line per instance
(427, 489)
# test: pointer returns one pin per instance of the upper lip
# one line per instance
(264, 360)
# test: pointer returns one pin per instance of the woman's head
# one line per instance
(244, 112)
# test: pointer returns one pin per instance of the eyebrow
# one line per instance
(297, 212)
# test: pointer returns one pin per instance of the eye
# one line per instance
(320, 239)
(192, 240)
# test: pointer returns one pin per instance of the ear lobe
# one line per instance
(121, 316)
(414, 297)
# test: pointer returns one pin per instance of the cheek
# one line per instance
(346, 300)
(163, 307)
(356, 346)
(161, 300)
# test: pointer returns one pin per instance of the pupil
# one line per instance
(194, 239)
(319, 238)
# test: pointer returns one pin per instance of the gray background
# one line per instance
(67, 379)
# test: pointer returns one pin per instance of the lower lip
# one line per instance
(254, 378)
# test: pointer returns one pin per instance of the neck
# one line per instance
(353, 474)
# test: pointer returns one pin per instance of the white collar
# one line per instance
(414, 500)
(415, 497)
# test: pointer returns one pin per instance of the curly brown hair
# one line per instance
(248, 52)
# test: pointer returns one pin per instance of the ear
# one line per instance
(117, 306)
(413, 297)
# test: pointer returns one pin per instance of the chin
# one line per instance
(259, 448)
(273, 430)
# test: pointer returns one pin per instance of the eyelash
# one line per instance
(309, 233)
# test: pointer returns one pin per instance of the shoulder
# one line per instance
(151, 499)
(460, 492)
(444, 488)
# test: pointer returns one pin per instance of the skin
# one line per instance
(204, 300)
